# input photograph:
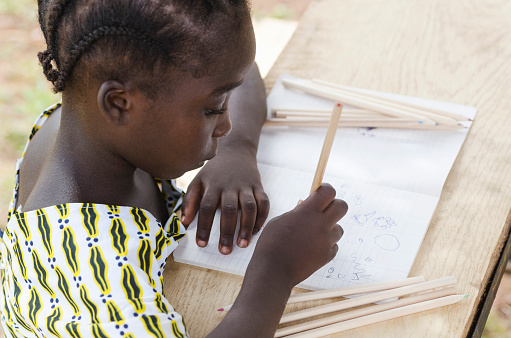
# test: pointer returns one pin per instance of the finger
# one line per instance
(336, 210)
(333, 252)
(320, 198)
(248, 217)
(191, 202)
(337, 233)
(263, 209)
(228, 221)
(207, 210)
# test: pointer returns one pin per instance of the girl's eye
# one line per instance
(215, 111)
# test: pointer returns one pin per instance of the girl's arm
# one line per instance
(291, 248)
(231, 181)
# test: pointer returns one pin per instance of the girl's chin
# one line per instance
(196, 166)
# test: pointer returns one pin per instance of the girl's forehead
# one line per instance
(233, 59)
(217, 83)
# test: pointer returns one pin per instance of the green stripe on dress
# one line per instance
(44, 227)
(91, 307)
(152, 325)
(119, 237)
(99, 268)
(63, 285)
(132, 289)
(34, 306)
(71, 250)
(42, 274)
(52, 320)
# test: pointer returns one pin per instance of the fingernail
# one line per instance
(202, 243)
(225, 250)
(183, 217)
(243, 243)
(299, 202)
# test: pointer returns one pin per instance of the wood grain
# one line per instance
(455, 51)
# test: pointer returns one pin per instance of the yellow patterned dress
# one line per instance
(88, 270)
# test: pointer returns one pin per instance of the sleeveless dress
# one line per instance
(88, 270)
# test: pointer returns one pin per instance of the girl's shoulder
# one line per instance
(39, 122)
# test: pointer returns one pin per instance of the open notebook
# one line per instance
(391, 179)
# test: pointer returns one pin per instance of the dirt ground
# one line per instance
(24, 93)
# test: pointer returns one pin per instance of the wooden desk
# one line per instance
(455, 51)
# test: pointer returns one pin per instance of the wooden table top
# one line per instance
(454, 51)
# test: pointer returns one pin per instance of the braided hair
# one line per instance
(123, 39)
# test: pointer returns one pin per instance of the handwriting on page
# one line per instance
(376, 246)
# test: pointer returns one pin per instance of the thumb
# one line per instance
(321, 198)
(191, 203)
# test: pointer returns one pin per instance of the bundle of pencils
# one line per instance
(370, 110)
(419, 296)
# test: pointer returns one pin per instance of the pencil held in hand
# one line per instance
(327, 146)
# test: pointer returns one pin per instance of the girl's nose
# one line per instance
(224, 125)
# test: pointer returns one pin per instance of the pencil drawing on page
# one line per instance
(387, 242)
(362, 219)
(384, 222)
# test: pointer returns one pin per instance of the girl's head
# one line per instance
(158, 71)
(109, 37)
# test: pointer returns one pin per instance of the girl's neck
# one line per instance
(67, 162)
(81, 155)
(81, 150)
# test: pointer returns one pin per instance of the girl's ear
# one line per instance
(115, 102)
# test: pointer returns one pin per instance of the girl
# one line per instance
(145, 91)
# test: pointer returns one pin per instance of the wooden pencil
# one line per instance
(364, 311)
(326, 112)
(327, 146)
(441, 119)
(280, 122)
(319, 114)
(368, 299)
(344, 119)
(380, 316)
(333, 94)
(354, 290)
(349, 291)
(439, 111)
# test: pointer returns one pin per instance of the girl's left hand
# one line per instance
(230, 182)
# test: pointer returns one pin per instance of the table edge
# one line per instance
(490, 291)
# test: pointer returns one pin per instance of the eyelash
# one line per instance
(215, 111)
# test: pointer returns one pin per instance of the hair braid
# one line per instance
(82, 45)
(50, 28)
(53, 24)
(45, 58)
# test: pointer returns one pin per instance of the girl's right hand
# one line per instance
(299, 242)
(290, 249)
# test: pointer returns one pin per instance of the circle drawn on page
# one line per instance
(387, 242)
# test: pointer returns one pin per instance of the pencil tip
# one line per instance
(338, 105)
(466, 296)
(421, 121)
(220, 309)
